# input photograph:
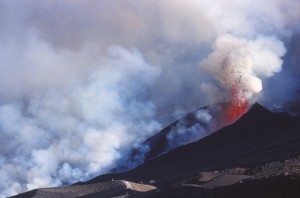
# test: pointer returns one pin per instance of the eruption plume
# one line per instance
(237, 64)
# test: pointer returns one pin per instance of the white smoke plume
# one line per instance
(182, 133)
(237, 64)
(66, 136)
(82, 82)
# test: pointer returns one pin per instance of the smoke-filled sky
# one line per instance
(83, 82)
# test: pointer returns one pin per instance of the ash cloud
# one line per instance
(82, 82)
(184, 132)
(237, 64)
(65, 136)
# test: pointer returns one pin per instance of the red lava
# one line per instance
(237, 106)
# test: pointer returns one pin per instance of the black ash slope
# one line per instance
(158, 144)
(261, 146)
(258, 137)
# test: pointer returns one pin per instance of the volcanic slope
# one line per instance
(158, 144)
(196, 125)
(255, 156)
(258, 137)
(114, 188)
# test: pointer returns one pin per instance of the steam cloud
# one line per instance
(183, 134)
(82, 82)
(238, 63)
(63, 137)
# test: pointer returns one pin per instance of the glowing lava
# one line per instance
(237, 106)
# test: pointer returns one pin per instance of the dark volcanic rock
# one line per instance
(254, 157)
(158, 144)
(258, 137)
(276, 187)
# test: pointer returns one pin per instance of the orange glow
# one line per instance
(237, 106)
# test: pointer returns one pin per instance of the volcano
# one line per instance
(257, 156)
(202, 122)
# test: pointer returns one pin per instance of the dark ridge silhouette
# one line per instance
(158, 143)
(257, 156)
(258, 137)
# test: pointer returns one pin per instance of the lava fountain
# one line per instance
(237, 66)
(235, 108)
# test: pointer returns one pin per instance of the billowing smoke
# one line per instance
(183, 132)
(83, 82)
(237, 64)
(65, 136)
